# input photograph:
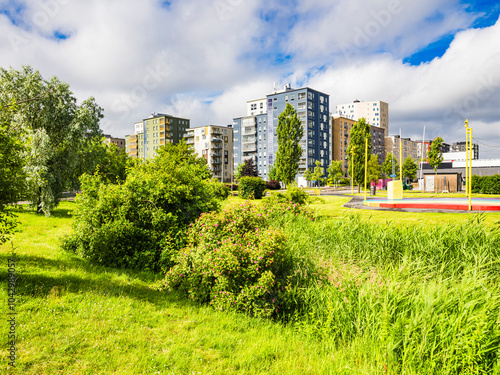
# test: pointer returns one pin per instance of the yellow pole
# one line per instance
(401, 163)
(366, 164)
(467, 157)
(352, 171)
(470, 169)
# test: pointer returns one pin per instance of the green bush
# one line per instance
(236, 261)
(486, 184)
(292, 194)
(141, 223)
(251, 187)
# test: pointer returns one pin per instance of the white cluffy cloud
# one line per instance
(204, 59)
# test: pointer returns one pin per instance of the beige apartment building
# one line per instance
(409, 147)
(118, 142)
(215, 144)
(341, 136)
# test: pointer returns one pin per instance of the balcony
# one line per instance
(188, 135)
(215, 131)
(190, 141)
(215, 146)
(217, 169)
(216, 161)
(250, 148)
(215, 139)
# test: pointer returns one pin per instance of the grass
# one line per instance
(75, 318)
(423, 298)
(332, 207)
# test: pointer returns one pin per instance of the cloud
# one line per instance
(204, 59)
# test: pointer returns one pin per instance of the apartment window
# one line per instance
(301, 95)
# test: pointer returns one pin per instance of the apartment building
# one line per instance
(215, 144)
(118, 142)
(409, 147)
(341, 136)
(255, 134)
(376, 113)
(461, 147)
(153, 132)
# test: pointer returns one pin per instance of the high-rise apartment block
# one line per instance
(376, 113)
(153, 132)
(255, 134)
(215, 144)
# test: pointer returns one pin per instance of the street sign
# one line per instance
(392, 175)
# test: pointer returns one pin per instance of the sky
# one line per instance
(436, 62)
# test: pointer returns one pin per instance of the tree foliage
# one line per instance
(387, 166)
(290, 132)
(359, 133)
(335, 172)
(317, 174)
(141, 223)
(11, 171)
(373, 169)
(410, 168)
(247, 169)
(53, 129)
(435, 155)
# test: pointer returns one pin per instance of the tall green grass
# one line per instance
(417, 299)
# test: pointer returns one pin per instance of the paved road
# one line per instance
(357, 202)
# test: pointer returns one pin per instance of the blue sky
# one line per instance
(434, 61)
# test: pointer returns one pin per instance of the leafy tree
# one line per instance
(105, 159)
(141, 223)
(11, 171)
(54, 130)
(387, 166)
(435, 155)
(335, 172)
(318, 173)
(374, 169)
(11, 158)
(290, 132)
(359, 133)
(273, 175)
(248, 169)
(410, 168)
(308, 175)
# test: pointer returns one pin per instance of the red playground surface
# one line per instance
(478, 204)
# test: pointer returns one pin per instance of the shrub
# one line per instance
(236, 261)
(486, 184)
(292, 194)
(273, 185)
(141, 223)
(234, 186)
(251, 187)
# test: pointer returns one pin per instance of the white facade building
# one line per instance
(376, 113)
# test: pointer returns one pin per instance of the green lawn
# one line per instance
(75, 318)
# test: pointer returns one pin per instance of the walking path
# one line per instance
(445, 205)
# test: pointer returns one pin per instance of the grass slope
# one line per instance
(75, 318)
